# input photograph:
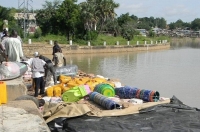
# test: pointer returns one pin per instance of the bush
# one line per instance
(152, 34)
(91, 35)
(38, 33)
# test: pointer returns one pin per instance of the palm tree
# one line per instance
(97, 12)
(88, 14)
(106, 11)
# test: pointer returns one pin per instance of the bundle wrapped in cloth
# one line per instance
(12, 70)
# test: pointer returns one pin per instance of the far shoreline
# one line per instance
(46, 49)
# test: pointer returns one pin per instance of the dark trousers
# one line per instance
(50, 69)
(39, 83)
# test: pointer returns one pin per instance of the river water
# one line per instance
(170, 72)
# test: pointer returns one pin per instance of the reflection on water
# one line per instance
(171, 72)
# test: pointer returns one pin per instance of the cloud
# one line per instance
(179, 12)
(132, 9)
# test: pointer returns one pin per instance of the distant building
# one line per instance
(30, 21)
(143, 32)
(157, 30)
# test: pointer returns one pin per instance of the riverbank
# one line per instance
(46, 49)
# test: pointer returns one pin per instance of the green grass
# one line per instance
(110, 40)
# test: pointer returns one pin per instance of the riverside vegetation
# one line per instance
(109, 39)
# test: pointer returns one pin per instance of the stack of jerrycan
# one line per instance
(3, 93)
(72, 89)
(58, 89)
(76, 89)
(95, 81)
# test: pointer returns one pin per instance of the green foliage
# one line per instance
(47, 19)
(7, 14)
(111, 40)
(128, 30)
(112, 27)
(38, 33)
(152, 34)
(96, 12)
(91, 35)
(196, 24)
(68, 15)
(124, 18)
(179, 24)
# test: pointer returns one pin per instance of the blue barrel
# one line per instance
(146, 95)
(154, 96)
(126, 92)
(103, 101)
(141, 93)
(149, 95)
(133, 92)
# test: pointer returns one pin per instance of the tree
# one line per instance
(179, 24)
(172, 25)
(68, 17)
(128, 30)
(105, 11)
(88, 15)
(46, 17)
(97, 12)
(38, 33)
(195, 24)
(7, 14)
(124, 18)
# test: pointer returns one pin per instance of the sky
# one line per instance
(170, 10)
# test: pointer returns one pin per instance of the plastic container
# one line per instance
(57, 91)
(3, 93)
(49, 92)
(154, 96)
(64, 89)
(64, 79)
(92, 84)
(126, 92)
(103, 101)
(72, 84)
(74, 94)
(99, 80)
(81, 81)
(105, 89)
(87, 88)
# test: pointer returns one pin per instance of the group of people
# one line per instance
(10, 47)
(42, 67)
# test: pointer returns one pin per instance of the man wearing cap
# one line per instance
(37, 66)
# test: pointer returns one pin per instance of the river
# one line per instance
(170, 72)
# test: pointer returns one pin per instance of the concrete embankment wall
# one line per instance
(45, 49)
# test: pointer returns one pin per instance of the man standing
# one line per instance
(37, 66)
(56, 46)
(13, 47)
(49, 67)
(58, 58)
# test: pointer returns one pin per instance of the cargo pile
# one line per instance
(103, 91)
